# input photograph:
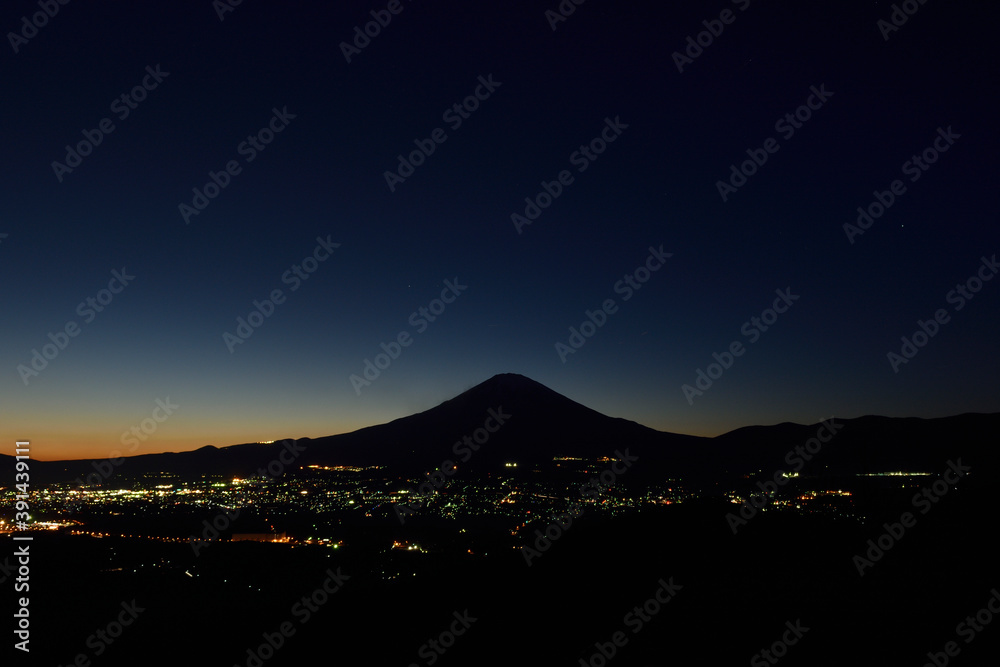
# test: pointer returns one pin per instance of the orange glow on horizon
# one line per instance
(60, 447)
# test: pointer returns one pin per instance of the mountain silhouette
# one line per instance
(539, 424)
(542, 424)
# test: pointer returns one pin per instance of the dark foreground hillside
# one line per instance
(735, 595)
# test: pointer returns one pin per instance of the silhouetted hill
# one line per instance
(869, 444)
(541, 424)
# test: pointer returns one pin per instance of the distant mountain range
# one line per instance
(540, 424)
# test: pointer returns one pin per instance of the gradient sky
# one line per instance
(323, 176)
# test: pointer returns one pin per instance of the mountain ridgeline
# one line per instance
(511, 418)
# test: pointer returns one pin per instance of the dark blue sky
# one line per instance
(552, 92)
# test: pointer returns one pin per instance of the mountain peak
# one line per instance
(510, 383)
(526, 422)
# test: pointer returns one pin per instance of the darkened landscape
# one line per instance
(553, 332)
(230, 553)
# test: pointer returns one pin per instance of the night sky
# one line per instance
(267, 92)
